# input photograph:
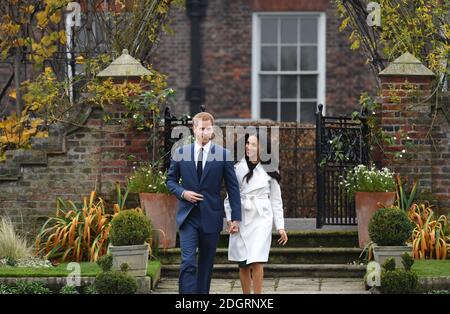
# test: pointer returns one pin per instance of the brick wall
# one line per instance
(72, 163)
(227, 42)
(407, 110)
(440, 154)
(87, 159)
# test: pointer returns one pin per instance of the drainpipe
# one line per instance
(195, 92)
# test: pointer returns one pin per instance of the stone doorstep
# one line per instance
(304, 285)
(282, 256)
(277, 286)
(230, 271)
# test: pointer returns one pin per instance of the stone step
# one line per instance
(231, 271)
(307, 239)
(276, 285)
(280, 256)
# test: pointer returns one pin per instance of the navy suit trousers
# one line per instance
(192, 280)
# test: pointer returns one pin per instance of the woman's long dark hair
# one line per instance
(251, 166)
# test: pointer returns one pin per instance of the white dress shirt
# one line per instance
(205, 152)
(204, 158)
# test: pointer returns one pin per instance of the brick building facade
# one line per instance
(232, 40)
(74, 162)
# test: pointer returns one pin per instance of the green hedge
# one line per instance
(130, 227)
(390, 226)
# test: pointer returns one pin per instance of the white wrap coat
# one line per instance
(262, 207)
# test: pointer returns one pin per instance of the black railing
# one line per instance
(341, 144)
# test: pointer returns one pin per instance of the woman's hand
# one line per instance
(283, 237)
(232, 226)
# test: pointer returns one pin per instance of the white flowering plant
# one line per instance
(147, 178)
(368, 179)
(34, 262)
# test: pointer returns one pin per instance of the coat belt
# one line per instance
(250, 205)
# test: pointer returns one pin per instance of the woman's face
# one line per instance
(251, 148)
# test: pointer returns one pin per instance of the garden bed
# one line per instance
(55, 277)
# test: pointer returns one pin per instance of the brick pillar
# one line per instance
(119, 144)
(405, 114)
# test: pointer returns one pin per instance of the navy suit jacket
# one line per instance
(218, 167)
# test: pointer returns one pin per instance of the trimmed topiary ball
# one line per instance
(390, 227)
(389, 264)
(105, 262)
(399, 281)
(115, 282)
(130, 227)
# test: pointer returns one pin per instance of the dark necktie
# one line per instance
(200, 164)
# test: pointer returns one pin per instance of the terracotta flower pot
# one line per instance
(161, 209)
(366, 204)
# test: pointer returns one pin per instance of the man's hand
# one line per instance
(232, 226)
(192, 197)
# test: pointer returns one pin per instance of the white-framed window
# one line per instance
(288, 65)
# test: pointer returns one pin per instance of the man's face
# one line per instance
(203, 131)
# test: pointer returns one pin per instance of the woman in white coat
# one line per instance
(262, 207)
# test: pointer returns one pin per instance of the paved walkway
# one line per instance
(277, 286)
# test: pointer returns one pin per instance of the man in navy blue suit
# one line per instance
(201, 167)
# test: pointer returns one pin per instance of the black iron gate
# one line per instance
(341, 143)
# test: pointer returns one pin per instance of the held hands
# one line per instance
(283, 237)
(232, 226)
(192, 197)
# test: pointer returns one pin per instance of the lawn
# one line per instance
(87, 270)
(432, 268)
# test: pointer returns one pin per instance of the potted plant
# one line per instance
(390, 228)
(110, 281)
(372, 189)
(395, 279)
(129, 241)
(159, 205)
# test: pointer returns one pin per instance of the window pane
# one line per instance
(308, 86)
(288, 86)
(269, 59)
(268, 86)
(289, 31)
(308, 30)
(269, 110)
(288, 111)
(307, 110)
(288, 58)
(269, 31)
(308, 58)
